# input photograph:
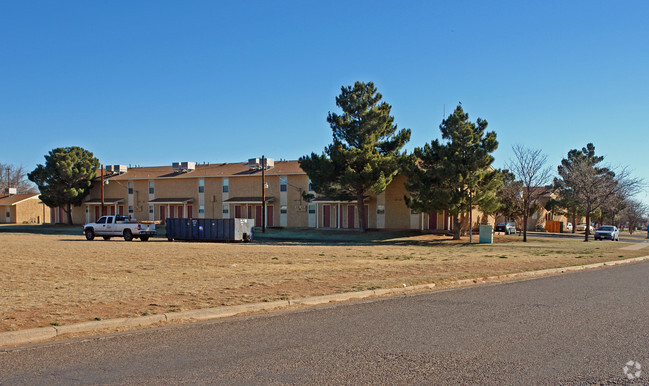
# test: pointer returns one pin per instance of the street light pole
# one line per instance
(263, 194)
(102, 191)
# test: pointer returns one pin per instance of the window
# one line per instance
(283, 209)
(282, 184)
(8, 214)
(109, 220)
(130, 187)
(311, 209)
(201, 186)
(226, 209)
(226, 186)
(130, 208)
(380, 209)
(150, 209)
(201, 209)
(151, 187)
(102, 220)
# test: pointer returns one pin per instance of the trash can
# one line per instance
(486, 234)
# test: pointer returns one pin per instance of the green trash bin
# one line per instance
(486, 234)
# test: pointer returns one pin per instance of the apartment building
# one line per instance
(234, 190)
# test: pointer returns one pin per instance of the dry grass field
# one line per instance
(50, 279)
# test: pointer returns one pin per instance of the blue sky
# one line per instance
(150, 83)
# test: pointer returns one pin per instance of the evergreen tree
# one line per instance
(66, 177)
(456, 175)
(363, 157)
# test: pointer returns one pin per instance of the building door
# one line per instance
(62, 216)
(237, 211)
(97, 212)
(180, 211)
(171, 211)
(52, 215)
(162, 214)
(190, 213)
(251, 211)
(351, 215)
(432, 220)
(326, 216)
(258, 212)
(120, 210)
(269, 216)
(112, 210)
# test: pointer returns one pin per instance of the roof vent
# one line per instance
(10, 191)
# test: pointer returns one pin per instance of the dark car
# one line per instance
(507, 228)
(607, 232)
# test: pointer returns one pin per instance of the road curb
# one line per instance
(35, 335)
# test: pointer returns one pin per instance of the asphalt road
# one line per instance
(574, 328)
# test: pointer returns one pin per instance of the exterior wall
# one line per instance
(397, 214)
(30, 211)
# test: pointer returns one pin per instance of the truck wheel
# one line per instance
(128, 235)
(90, 234)
(170, 239)
(106, 238)
(144, 238)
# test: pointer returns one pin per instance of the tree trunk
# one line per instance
(69, 212)
(587, 222)
(525, 210)
(361, 211)
(574, 221)
(456, 227)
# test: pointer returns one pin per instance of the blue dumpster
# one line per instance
(210, 229)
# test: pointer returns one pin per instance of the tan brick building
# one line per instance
(23, 209)
(232, 190)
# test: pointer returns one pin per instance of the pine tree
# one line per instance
(456, 175)
(364, 155)
(66, 177)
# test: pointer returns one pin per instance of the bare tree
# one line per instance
(634, 214)
(15, 177)
(530, 169)
(591, 184)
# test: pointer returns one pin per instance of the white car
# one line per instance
(581, 227)
(607, 232)
(569, 227)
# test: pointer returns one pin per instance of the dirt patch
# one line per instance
(60, 279)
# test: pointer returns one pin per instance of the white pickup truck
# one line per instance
(119, 226)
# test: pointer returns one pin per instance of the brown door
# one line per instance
(112, 210)
(62, 216)
(326, 216)
(237, 211)
(180, 211)
(190, 213)
(120, 210)
(351, 214)
(250, 211)
(269, 216)
(171, 211)
(162, 214)
(258, 212)
(97, 212)
(432, 220)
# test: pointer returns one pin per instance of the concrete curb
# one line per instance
(35, 335)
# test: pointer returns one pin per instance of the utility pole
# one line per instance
(8, 180)
(263, 194)
(102, 191)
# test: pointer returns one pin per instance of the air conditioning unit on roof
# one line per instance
(253, 163)
(109, 168)
(121, 169)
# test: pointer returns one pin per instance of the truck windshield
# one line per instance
(101, 220)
